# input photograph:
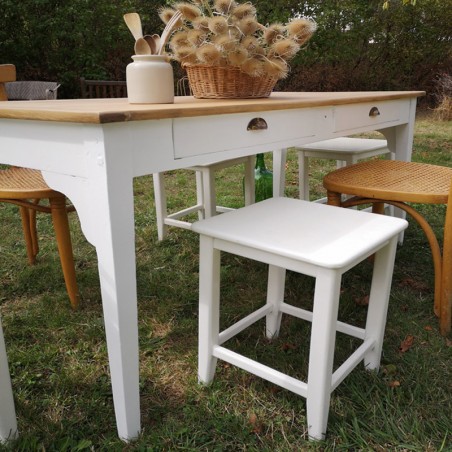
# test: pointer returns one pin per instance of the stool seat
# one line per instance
(313, 239)
(347, 145)
(345, 150)
(303, 231)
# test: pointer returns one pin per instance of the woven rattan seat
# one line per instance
(26, 188)
(397, 183)
(17, 182)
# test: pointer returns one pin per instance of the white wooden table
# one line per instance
(92, 149)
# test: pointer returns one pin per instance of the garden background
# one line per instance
(359, 45)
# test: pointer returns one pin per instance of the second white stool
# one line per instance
(313, 239)
(206, 202)
(344, 150)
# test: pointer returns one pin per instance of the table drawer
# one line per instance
(348, 117)
(207, 134)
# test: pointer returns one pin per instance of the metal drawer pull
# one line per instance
(374, 112)
(257, 124)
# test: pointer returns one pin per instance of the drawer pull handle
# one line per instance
(374, 112)
(257, 124)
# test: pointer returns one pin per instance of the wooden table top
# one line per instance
(103, 111)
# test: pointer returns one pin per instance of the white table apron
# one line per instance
(94, 165)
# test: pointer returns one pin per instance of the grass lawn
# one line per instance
(58, 358)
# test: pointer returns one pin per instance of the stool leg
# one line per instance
(378, 302)
(249, 181)
(8, 423)
(303, 175)
(208, 187)
(200, 195)
(160, 204)
(209, 308)
(321, 354)
(275, 296)
(279, 172)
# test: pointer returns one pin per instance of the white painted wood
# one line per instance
(209, 309)
(345, 150)
(297, 230)
(275, 298)
(358, 115)
(8, 423)
(206, 199)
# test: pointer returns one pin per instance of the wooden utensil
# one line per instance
(133, 21)
(167, 31)
(153, 42)
(142, 47)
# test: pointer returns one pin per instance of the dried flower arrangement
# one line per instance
(226, 34)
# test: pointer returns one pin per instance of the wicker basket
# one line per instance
(218, 82)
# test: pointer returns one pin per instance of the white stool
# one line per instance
(314, 239)
(344, 150)
(205, 194)
(8, 423)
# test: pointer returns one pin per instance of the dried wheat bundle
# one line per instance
(226, 33)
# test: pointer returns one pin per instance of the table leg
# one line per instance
(104, 204)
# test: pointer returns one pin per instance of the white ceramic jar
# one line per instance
(150, 80)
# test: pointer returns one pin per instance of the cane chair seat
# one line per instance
(17, 183)
(397, 183)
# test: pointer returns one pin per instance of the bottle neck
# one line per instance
(260, 162)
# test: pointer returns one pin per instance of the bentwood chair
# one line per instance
(27, 188)
(399, 183)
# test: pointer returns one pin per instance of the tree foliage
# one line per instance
(359, 45)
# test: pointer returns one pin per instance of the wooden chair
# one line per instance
(26, 188)
(399, 183)
(297, 236)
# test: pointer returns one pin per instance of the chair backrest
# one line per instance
(7, 74)
(32, 90)
(95, 89)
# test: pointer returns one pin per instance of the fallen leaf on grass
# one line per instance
(414, 284)
(448, 343)
(257, 428)
(428, 328)
(390, 369)
(394, 384)
(363, 301)
(406, 344)
(287, 346)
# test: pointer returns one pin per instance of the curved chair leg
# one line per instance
(440, 264)
(63, 237)
(446, 282)
(33, 231)
(25, 214)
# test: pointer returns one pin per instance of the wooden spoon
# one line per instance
(153, 42)
(142, 47)
(133, 21)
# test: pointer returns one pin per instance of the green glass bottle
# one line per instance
(263, 179)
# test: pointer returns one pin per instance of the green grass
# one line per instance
(59, 365)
